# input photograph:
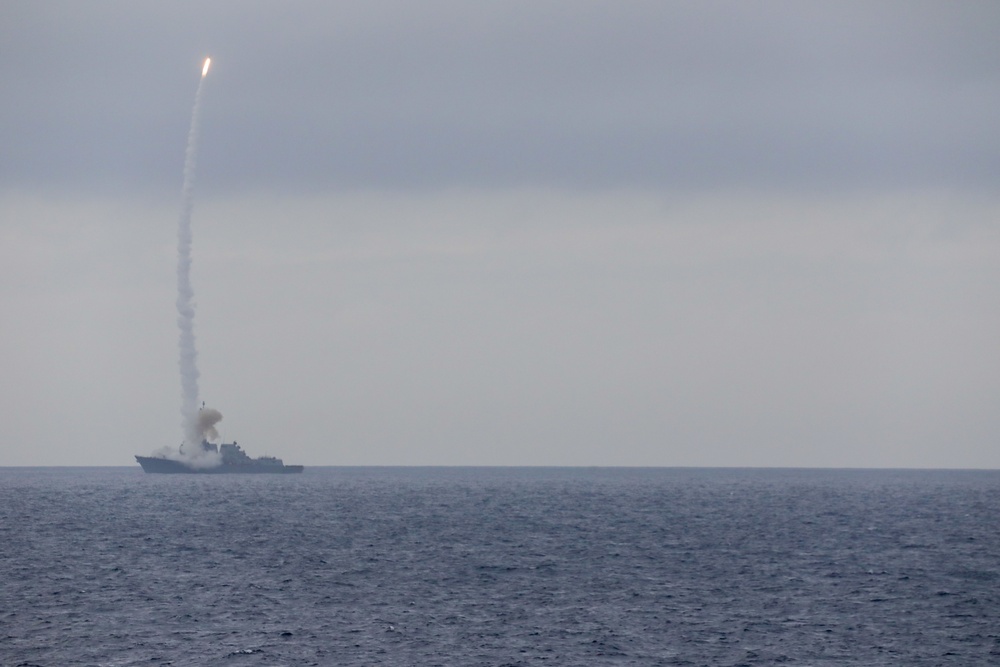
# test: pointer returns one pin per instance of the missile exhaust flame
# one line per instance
(204, 70)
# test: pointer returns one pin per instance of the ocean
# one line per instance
(500, 566)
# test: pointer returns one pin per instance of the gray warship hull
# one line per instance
(153, 464)
(226, 459)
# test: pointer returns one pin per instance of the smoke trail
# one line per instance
(188, 360)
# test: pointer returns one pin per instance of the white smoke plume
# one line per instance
(185, 293)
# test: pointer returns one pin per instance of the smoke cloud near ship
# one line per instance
(192, 453)
(193, 457)
(207, 419)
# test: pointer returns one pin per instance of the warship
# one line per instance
(215, 460)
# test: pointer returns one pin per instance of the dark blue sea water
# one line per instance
(438, 566)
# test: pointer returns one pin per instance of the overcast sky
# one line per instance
(507, 233)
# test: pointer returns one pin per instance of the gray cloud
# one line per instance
(311, 96)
